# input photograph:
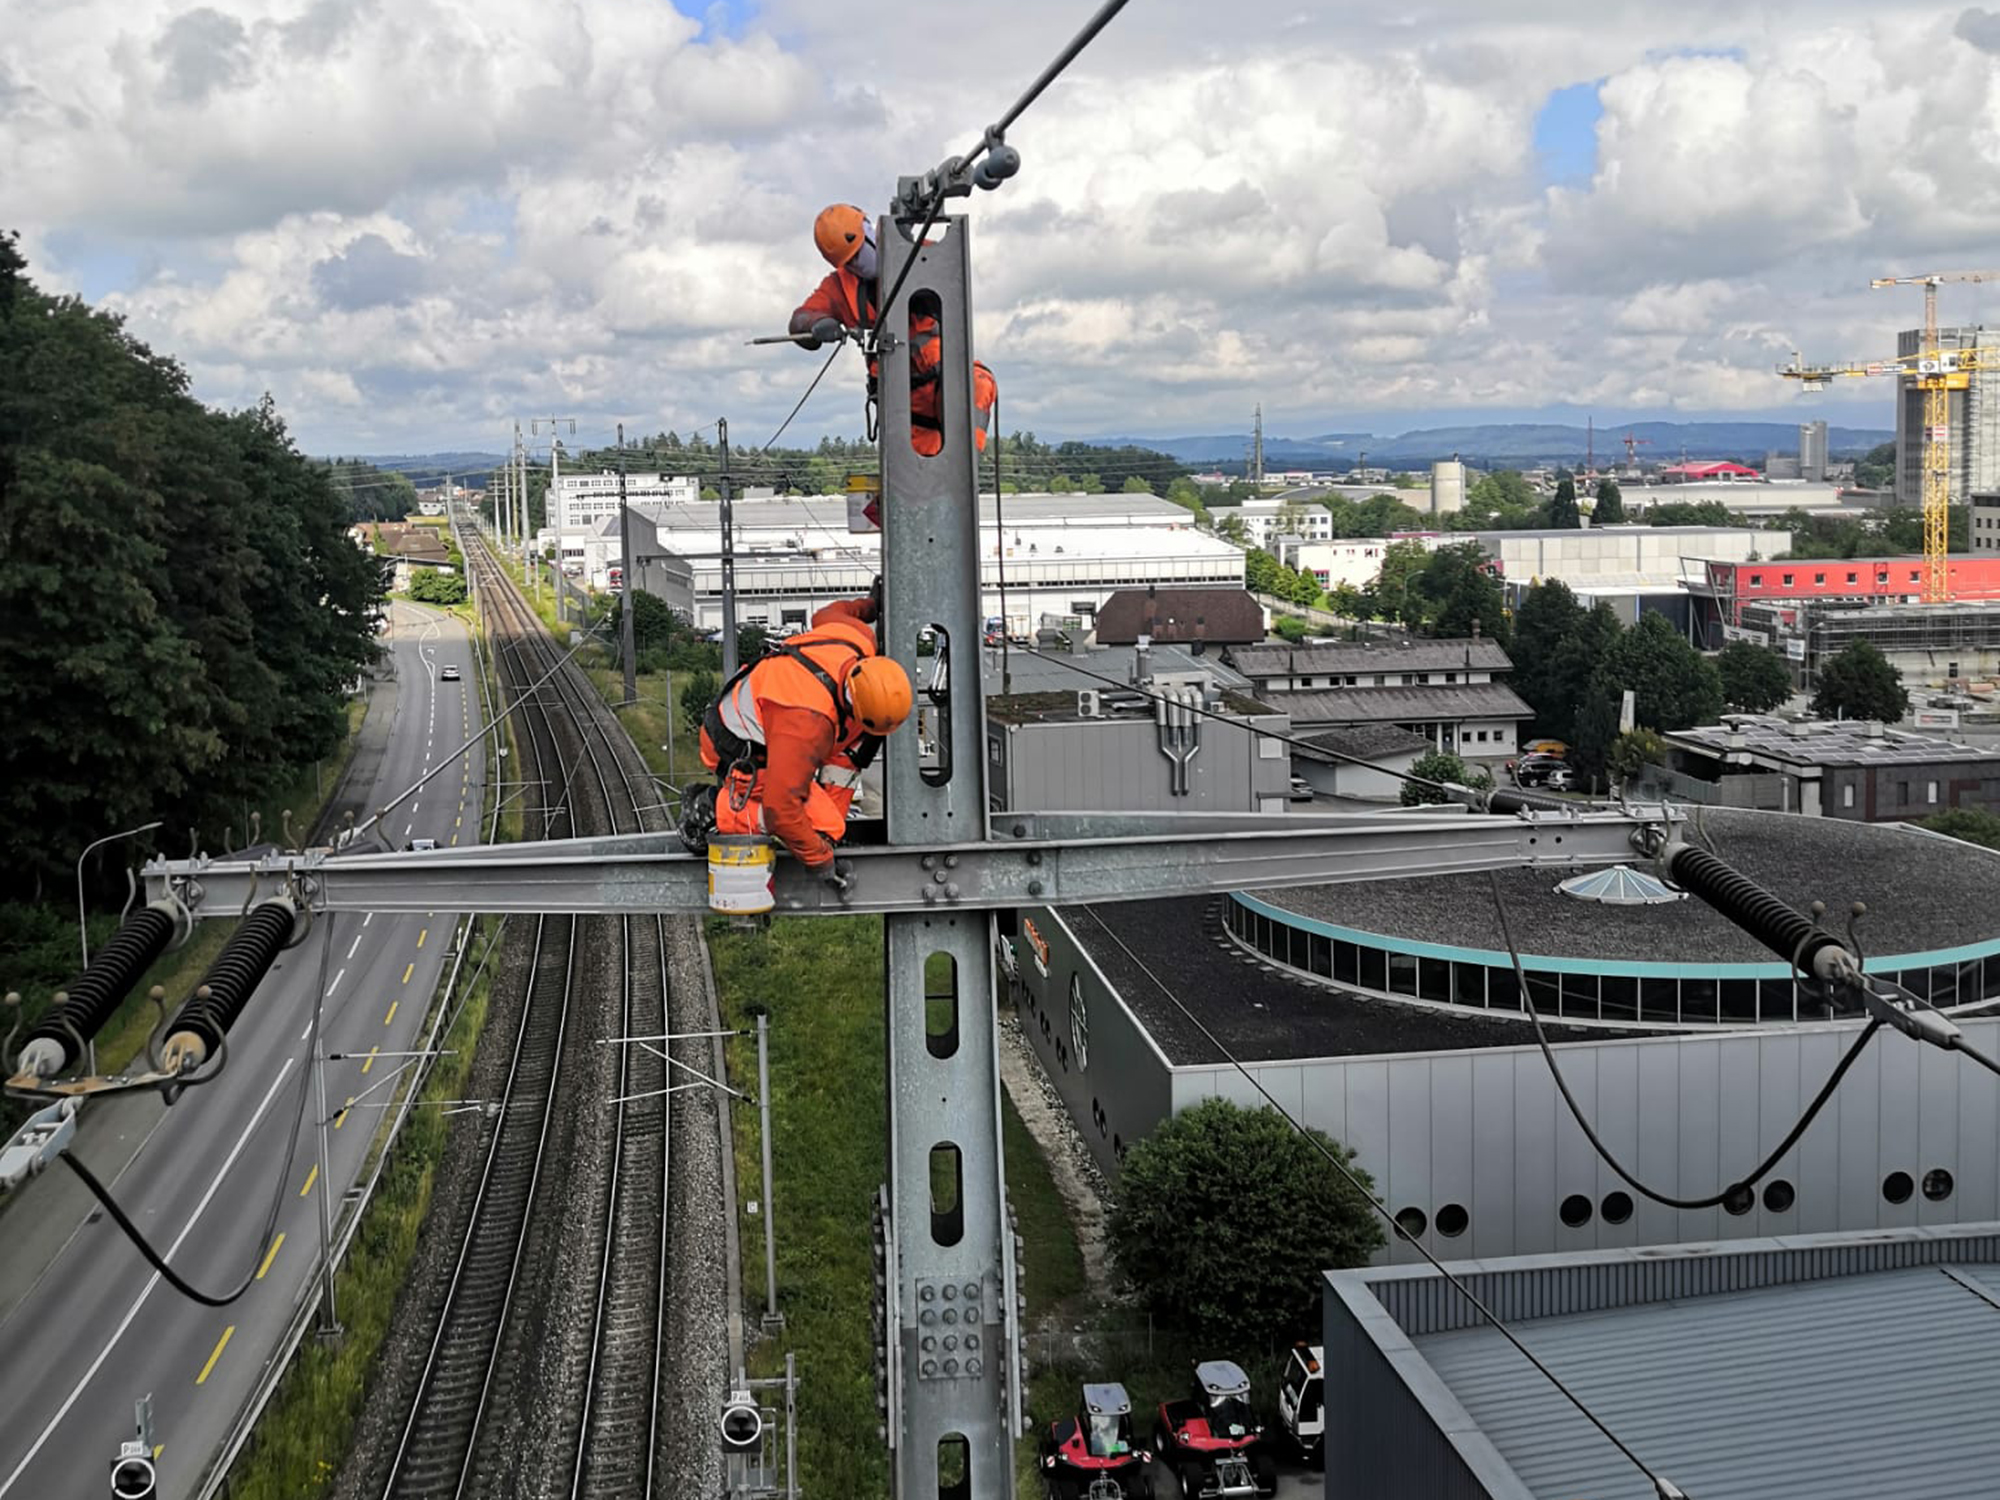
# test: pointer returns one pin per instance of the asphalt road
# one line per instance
(99, 1329)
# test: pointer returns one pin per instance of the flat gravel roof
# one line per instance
(1924, 894)
(1263, 1014)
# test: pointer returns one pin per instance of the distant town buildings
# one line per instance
(1812, 451)
(1860, 771)
(582, 497)
(1986, 522)
(1448, 692)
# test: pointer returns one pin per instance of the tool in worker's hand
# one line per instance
(815, 336)
(781, 338)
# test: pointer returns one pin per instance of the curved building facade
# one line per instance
(1934, 927)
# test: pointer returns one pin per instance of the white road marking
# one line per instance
(356, 944)
(367, 919)
(336, 981)
(200, 1208)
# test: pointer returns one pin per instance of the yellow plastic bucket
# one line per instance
(739, 873)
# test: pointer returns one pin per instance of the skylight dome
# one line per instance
(1621, 885)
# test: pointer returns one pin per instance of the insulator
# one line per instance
(1513, 800)
(206, 1016)
(1787, 933)
(79, 1014)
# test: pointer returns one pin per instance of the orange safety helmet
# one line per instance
(840, 231)
(878, 690)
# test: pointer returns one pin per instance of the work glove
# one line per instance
(838, 877)
(827, 331)
(874, 610)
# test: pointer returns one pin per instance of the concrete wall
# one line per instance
(1620, 554)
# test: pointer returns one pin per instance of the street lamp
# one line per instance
(82, 923)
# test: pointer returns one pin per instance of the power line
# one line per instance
(1662, 1486)
(1734, 1191)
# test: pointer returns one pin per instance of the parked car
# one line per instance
(1301, 790)
(1535, 770)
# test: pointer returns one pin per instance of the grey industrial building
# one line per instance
(1386, 1015)
(1853, 769)
(1808, 1367)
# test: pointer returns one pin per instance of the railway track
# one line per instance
(545, 1372)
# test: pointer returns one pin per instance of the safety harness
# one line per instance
(734, 752)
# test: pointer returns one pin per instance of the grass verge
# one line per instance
(821, 982)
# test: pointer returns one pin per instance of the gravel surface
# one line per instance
(1077, 1176)
(697, 1339)
(1923, 893)
(1259, 1012)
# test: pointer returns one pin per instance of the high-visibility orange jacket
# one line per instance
(840, 296)
(799, 783)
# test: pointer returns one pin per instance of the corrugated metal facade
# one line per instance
(1827, 1368)
(1116, 765)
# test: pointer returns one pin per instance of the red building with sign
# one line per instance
(1839, 580)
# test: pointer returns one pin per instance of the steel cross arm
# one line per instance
(1053, 860)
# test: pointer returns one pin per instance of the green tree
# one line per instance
(1395, 588)
(1226, 1217)
(1754, 678)
(751, 641)
(429, 586)
(1460, 594)
(189, 611)
(1290, 627)
(1231, 528)
(1974, 825)
(1860, 683)
(1690, 513)
(1876, 470)
(696, 695)
(1441, 766)
(1544, 674)
(1563, 511)
(1134, 485)
(1610, 504)
(1347, 601)
(1262, 573)
(656, 625)
(1632, 752)
(1673, 685)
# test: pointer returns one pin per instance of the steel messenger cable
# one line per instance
(1661, 1485)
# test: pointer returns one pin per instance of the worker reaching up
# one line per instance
(846, 300)
(789, 735)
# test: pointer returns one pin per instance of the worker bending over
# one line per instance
(847, 299)
(789, 735)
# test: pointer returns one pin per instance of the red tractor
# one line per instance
(1093, 1456)
(1213, 1441)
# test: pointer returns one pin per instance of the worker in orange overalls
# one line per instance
(847, 298)
(789, 735)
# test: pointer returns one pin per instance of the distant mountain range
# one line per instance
(1508, 442)
(1511, 443)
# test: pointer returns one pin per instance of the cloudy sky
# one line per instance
(414, 220)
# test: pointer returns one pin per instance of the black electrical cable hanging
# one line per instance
(1661, 1486)
(806, 397)
(132, 1231)
(1735, 1190)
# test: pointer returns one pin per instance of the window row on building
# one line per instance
(1477, 984)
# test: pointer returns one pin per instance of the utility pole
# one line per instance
(555, 473)
(1257, 448)
(723, 485)
(950, 1322)
(625, 624)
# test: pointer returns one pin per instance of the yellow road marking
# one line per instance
(158, 1449)
(392, 1012)
(271, 1257)
(454, 838)
(221, 1344)
(459, 821)
(368, 1062)
(341, 1118)
(311, 1178)
(421, 935)
(408, 972)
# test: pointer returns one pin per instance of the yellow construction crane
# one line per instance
(1937, 372)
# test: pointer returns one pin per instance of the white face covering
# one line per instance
(863, 264)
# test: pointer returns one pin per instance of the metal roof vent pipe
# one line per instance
(1142, 659)
(1873, 729)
